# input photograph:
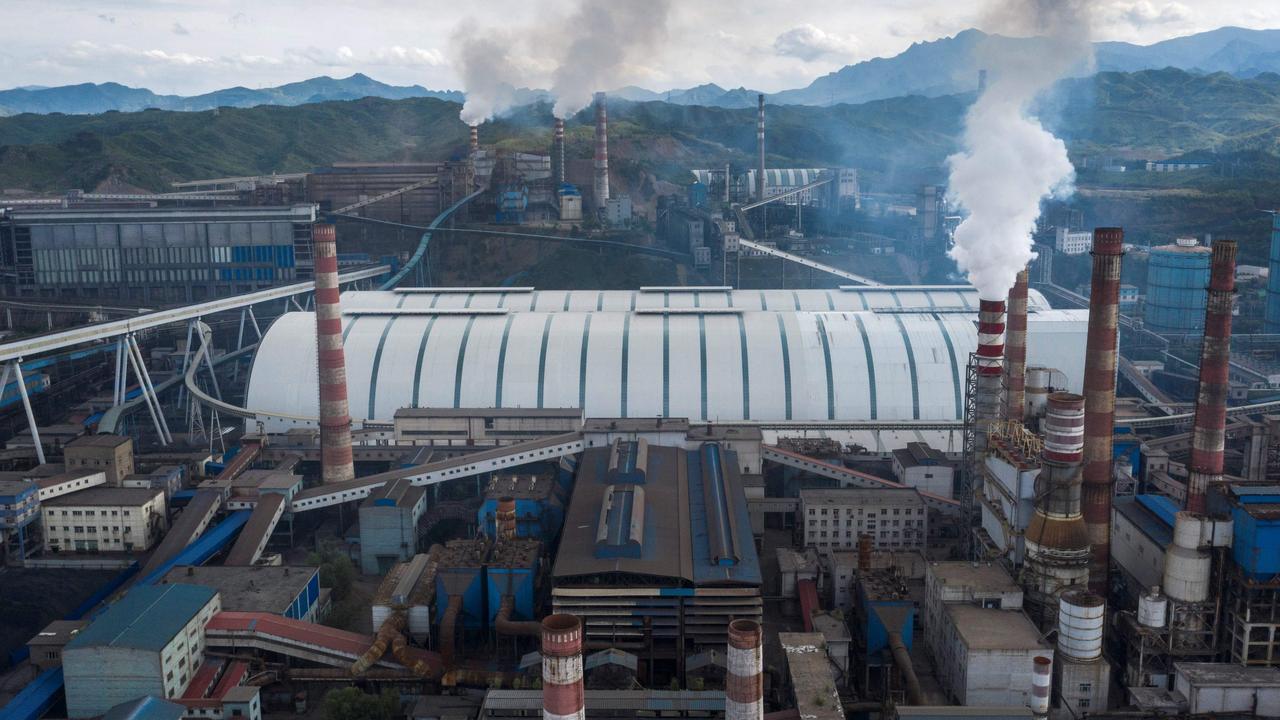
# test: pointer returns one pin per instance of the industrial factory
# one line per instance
(303, 471)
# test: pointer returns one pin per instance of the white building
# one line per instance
(833, 518)
(150, 642)
(104, 519)
(1073, 242)
(923, 468)
(617, 210)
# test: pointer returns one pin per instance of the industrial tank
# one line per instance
(1080, 620)
(1153, 608)
(1186, 566)
(1177, 276)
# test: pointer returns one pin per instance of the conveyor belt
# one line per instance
(860, 479)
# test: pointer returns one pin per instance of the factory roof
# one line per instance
(438, 412)
(638, 424)
(106, 496)
(779, 364)
(675, 526)
(1227, 675)
(916, 454)
(15, 488)
(99, 441)
(992, 629)
(397, 493)
(1142, 516)
(812, 682)
(521, 486)
(148, 707)
(713, 433)
(147, 618)
(946, 712)
(249, 588)
(58, 632)
(988, 577)
(861, 496)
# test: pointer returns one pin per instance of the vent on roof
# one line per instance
(684, 288)
(620, 532)
(461, 290)
(628, 461)
(387, 312)
(722, 525)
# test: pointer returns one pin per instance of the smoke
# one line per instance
(488, 71)
(1009, 162)
(610, 37)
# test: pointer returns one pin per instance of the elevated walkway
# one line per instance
(190, 524)
(266, 632)
(257, 530)
(806, 262)
(846, 476)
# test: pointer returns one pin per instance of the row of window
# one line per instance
(857, 511)
(92, 513)
(91, 529)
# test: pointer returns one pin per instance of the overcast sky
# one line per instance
(193, 46)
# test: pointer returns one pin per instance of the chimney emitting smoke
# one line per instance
(557, 153)
(474, 144)
(1016, 351)
(601, 186)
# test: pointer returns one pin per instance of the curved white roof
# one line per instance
(705, 364)
(848, 298)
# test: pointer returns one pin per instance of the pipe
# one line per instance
(504, 625)
(448, 630)
(336, 463)
(744, 683)
(390, 629)
(1209, 435)
(601, 187)
(562, 692)
(1041, 682)
(902, 658)
(760, 149)
(504, 521)
(557, 153)
(418, 663)
(1015, 353)
(1100, 400)
(864, 552)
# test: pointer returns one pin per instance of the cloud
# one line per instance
(178, 29)
(398, 55)
(810, 43)
(107, 18)
(1143, 13)
(238, 19)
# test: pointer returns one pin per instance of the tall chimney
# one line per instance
(744, 682)
(1041, 683)
(1100, 399)
(557, 153)
(1015, 352)
(474, 145)
(760, 149)
(988, 405)
(335, 421)
(1208, 435)
(562, 693)
(601, 187)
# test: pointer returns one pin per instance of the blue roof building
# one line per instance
(148, 643)
(19, 508)
(146, 708)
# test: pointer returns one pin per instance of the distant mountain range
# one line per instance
(940, 67)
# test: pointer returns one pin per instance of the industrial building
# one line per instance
(389, 525)
(836, 518)
(290, 591)
(924, 468)
(110, 454)
(471, 427)
(148, 643)
(1177, 275)
(153, 255)
(105, 519)
(435, 186)
(19, 510)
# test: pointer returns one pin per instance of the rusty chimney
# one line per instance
(1209, 433)
(557, 153)
(335, 420)
(505, 519)
(744, 681)
(760, 149)
(601, 187)
(474, 145)
(1015, 351)
(562, 693)
(1100, 399)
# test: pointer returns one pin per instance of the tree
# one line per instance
(352, 703)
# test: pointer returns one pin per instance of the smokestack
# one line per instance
(335, 421)
(1100, 399)
(562, 694)
(601, 187)
(760, 150)
(1208, 435)
(744, 684)
(1057, 542)
(988, 405)
(557, 153)
(1041, 681)
(475, 139)
(1016, 351)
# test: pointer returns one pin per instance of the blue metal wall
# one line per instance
(1273, 282)
(520, 581)
(1256, 546)
(1176, 282)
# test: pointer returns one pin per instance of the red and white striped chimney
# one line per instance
(1100, 361)
(744, 683)
(601, 185)
(1209, 434)
(557, 152)
(760, 149)
(473, 145)
(1041, 683)
(562, 693)
(988, 405)
(1015, 351)
(335, 420)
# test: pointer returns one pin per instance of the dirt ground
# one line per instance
(32, 598)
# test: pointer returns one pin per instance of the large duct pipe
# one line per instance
(601, 186)
(505, 519)
(902, 659)
(1015, 351)
(557, 153)
(988, 405)
(760, 149)
(504, 625)
(1100, 399)
(449, 629)
(389, 630)
(1209, 433)
(473, 144)
(562, 690)
(336, 464)
(1041, 682)
(744, 683)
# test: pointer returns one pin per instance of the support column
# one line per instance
(26, 407)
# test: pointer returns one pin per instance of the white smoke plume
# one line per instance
(489, 73)
(1009, 162)
(608, 38)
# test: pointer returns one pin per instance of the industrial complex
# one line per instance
(286, 468)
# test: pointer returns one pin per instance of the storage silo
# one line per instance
(1177, 276)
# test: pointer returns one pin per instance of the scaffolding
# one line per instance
(1253, 619)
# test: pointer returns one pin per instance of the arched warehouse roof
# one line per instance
(701, 364)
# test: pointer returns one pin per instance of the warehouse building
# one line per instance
(924, 468)
(834, 518)
(661, 559)
(105, 519)
(700, 359)
(470, 427)
(389, 525)
(440, 184)
(153, 255)
(291, 591)
(150, 642)
(111, 454)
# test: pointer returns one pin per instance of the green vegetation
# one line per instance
(338, 573)
(351, 703)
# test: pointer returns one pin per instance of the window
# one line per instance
(1083, 703)
(1086, 687)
